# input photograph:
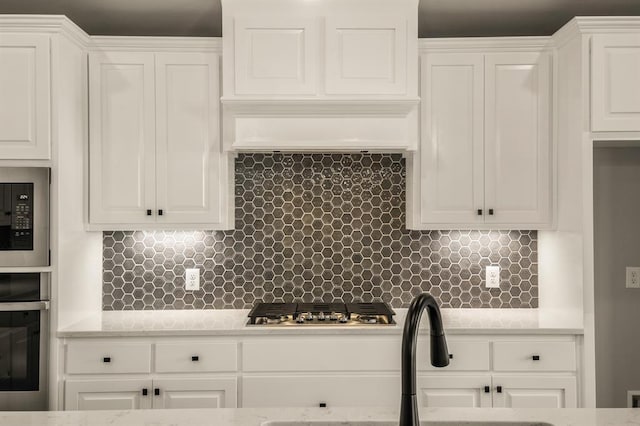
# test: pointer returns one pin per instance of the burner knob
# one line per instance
(300, 319)
(321, 316)
(344, 319)
(334, 316)
(308, 316)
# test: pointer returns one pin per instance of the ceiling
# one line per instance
(437, 18)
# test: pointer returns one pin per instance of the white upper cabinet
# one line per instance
(615, 82)
(25, 96)
(155, 152)
(366, 56)
(485, 153)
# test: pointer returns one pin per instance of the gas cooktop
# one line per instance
(319, 313)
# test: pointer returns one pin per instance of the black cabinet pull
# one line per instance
(106, 359)
(499, 389)
(450, 356)
(487, 389)
(145, 392)
(490, 212)
(160, 212)
(195, 358)
(149, 213)
(479, 212)
(156, 391)
(323, 405)
(536, 357)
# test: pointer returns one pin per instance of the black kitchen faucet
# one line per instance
(439, 353)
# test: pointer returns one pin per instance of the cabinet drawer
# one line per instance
(313, 390)
(192, 357)
(322, 354)
(534, 356)
(465, 355)
(91, 357)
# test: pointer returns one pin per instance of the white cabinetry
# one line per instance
(106, 374)
(534, 392)
(485, 153)
(615, 82)
(155, 153)
(25, 96)
(468, 391)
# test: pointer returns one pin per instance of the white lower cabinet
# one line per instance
(107, 394)
(534, 391)
(445, 391)
(316, 371)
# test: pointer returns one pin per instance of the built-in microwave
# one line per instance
(24, 216)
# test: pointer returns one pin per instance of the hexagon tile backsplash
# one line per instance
(315, 227)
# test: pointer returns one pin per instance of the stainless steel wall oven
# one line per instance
(24, 329)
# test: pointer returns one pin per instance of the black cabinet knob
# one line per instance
(195, 358)
(106, 359)
(490, 212)
(156, 391)
(149, 212)
(145, 392)
(160, 212)
(450, 356)
(487, 389)
(479, 212)
(322, 405)
(536, 357)
(499, 389)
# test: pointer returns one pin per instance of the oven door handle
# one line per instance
(42, 305)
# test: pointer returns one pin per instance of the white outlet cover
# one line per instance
(192, 279)
(633, 277)
(492, 276)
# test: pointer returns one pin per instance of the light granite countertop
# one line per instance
(324, 417)
(234, 322)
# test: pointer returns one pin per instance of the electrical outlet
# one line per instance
(633, 277)
(492, 276)
(192, 279)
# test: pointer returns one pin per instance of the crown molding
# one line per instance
(477, 44)
(586, 25)
(52, 24)
(324, 106)
(159, 44)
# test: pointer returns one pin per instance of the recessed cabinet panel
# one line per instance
(534, 392)
(275, 57)
(188, 138)
(25, 113)
(122, 134)
(213, 392)
(117, 394)
(615, 84)
(517, 138)
(442, 391)
(451, 166)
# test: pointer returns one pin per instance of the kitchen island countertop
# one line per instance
(232, 322)
(301, 416)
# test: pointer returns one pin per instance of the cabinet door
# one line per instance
(517, 138)
(615, 82)
(451, 161)
(275, 56)
(195, 393)
(454, 391)
(189, 173)
(534, 392)
(122, 137)
(107, 394)
(314, 390)
(365, 56)
(25, 97)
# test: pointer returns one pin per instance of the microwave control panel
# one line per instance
(16, 217)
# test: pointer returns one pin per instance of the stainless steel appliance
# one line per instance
(319, 313)
(24, 216)
(24, 325)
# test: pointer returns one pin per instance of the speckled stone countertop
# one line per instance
(325, 417)
(234, 322)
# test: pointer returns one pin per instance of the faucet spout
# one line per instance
(439, 353)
